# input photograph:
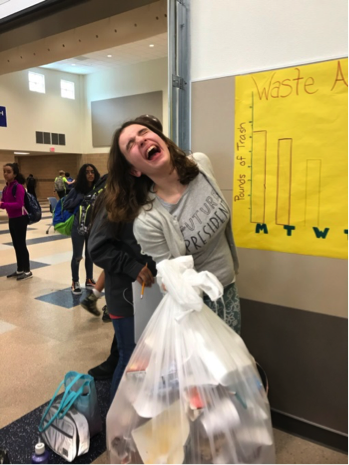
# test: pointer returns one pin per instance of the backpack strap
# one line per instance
(14, 189)
(14, 192)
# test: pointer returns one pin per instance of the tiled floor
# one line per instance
(44, 333)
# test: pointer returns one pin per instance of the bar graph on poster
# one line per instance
(291, 160)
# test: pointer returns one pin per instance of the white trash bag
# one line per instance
(191, 392)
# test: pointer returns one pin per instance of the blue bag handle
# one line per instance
(61, 405)
(73, 396)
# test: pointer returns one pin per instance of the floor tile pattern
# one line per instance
(39, 240)
(8, 269)
(64, 298)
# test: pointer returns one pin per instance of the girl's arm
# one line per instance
(18, 204)
(152, 240)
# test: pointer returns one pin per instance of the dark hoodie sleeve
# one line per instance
(108, 253)
(72, 200)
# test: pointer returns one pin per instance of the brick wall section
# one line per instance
(46, 167)
(100, 160)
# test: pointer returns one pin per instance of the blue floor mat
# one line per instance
(20, 437)
(64, 297)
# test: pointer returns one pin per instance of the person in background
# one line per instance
(61, 184)
(13, 202)
(89, 303)
(31, 185)
(68, 183)
(177, 209)
(87, 177)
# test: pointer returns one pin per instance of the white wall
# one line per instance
(29, 111)
(134, 79)
(232, 37)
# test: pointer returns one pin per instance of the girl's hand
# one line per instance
(145, 276)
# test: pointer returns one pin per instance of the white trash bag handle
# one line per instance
(185, 285)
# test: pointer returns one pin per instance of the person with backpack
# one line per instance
(31, 185)
(69, 183)
(86, 179)
(13, 201)
(61, 184)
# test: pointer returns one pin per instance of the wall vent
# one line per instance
(49, 138)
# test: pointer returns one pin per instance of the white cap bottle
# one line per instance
(41, 454)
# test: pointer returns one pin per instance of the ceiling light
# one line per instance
(109, 56)
(151, 45)
(21, 153)
(73, 64)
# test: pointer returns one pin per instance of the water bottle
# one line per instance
(41, 455)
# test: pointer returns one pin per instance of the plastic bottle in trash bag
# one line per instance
(191, 392)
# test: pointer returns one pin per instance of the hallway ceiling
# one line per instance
(151, 48)
(125, 36)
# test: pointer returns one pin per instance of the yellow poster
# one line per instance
(291, 160)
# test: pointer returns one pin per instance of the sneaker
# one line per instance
(25, 275)
(101, 372)
(90, 283)
(106, 317)
(90, 304)
(15, 274)
(75, 288)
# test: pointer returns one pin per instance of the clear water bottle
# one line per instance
(41, 455)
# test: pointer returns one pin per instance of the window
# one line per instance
(36, 82)
(67, 89)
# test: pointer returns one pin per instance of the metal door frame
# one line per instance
(179, 109)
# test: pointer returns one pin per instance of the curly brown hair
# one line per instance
(126, 194)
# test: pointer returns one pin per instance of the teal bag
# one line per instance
(80, 393)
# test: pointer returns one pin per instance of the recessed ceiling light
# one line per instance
(109, 56)
(21, 153)
(151, 45)
(73, 64)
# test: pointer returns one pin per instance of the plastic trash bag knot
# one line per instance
(185, 285)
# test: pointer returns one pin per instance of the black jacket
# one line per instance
(120, 259)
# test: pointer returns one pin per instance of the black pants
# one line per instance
(61, 194)
(78, 242)
(18, 231)
(112, 360)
